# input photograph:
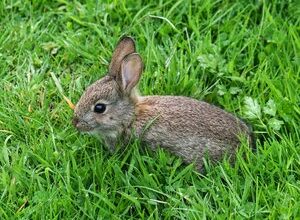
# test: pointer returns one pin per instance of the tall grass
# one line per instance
(241, 55)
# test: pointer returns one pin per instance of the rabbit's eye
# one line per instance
(99, 108)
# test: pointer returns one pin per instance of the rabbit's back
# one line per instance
(188, 127)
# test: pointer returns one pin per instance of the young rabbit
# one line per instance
(112, 108)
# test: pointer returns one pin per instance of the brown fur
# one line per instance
(184, 126)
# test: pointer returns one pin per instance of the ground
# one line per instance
(243, 56)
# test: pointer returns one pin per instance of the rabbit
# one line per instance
(112, 108)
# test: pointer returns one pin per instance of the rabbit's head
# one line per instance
(108, 104)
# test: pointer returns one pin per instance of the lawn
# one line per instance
(243, 56)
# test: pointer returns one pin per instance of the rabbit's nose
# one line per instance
(75, 121)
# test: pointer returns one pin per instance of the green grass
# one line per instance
(243, 56)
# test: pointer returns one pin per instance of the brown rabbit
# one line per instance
(112, 108)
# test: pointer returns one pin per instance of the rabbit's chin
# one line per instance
(112, 134)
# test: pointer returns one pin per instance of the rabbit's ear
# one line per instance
(124, 47)
(131, 70)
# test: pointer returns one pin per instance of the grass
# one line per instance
(241, 55)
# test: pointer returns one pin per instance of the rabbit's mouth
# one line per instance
(82, 126)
